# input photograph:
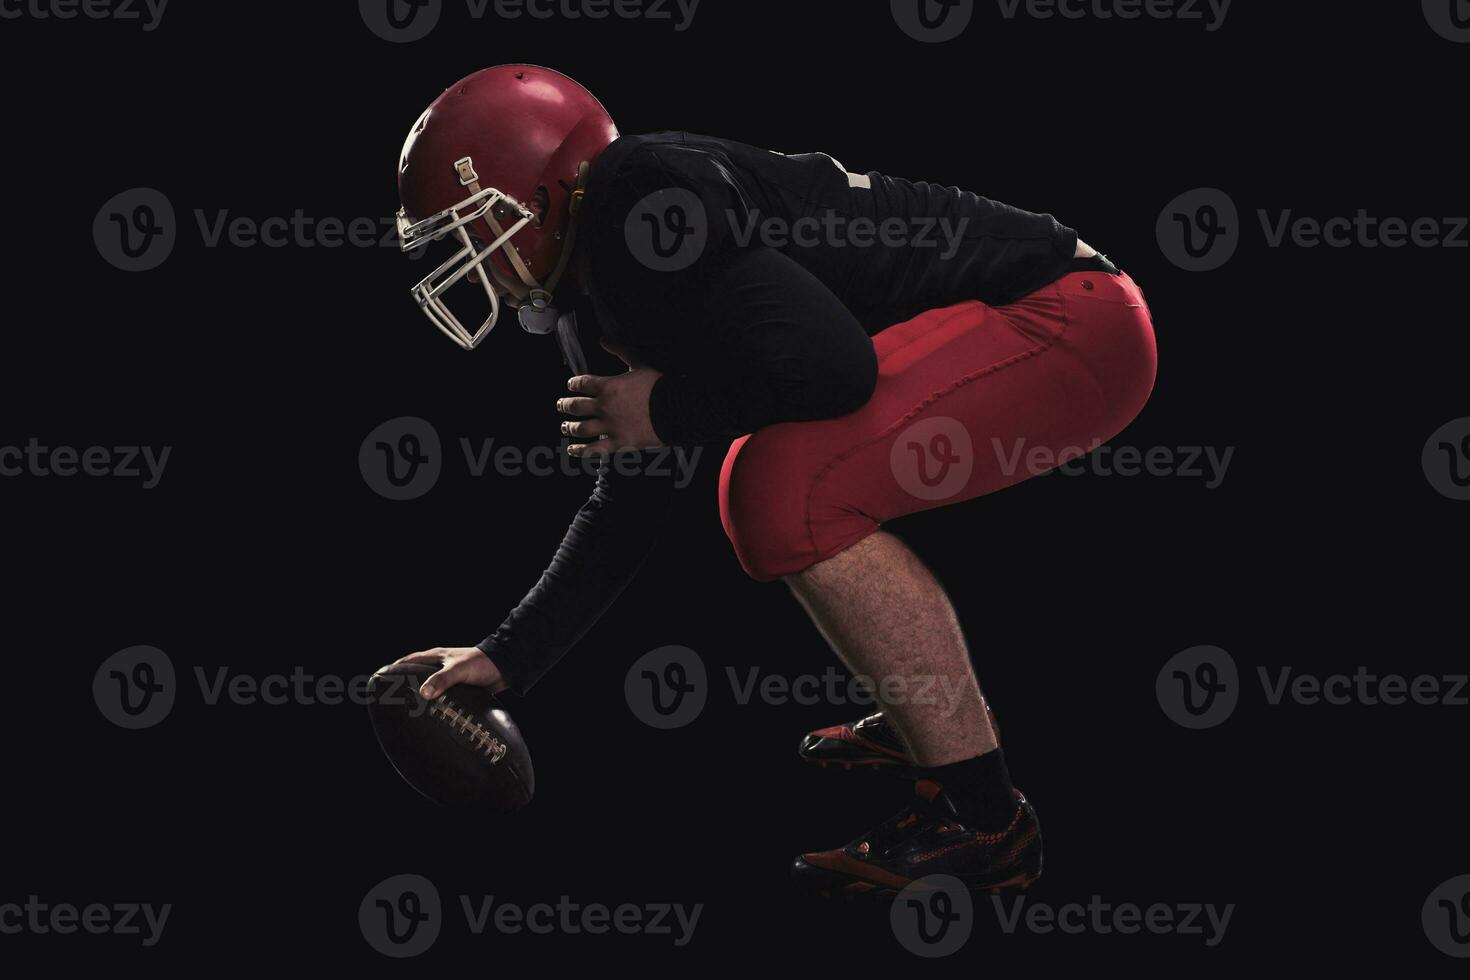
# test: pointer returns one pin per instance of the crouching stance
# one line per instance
(964, 394)
(855, 377)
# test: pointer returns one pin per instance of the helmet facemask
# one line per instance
(531, 298)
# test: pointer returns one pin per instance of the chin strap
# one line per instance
(543, 301)
(538, 294)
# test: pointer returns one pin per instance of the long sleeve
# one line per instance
(602, 550)
(781, 348)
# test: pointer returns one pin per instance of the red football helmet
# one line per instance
(500, 161)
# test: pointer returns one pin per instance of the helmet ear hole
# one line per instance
(541, 203)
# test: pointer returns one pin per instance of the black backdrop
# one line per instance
(263, 550)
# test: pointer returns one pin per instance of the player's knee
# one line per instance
(763, 506)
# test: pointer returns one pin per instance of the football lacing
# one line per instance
(484, 742)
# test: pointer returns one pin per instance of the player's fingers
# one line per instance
(443, 680)
(577, 406)
(589, 429)
(433, 656)
(586, 384)
(585, 450)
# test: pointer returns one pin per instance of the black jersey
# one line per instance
(753, 280)
(713, 259)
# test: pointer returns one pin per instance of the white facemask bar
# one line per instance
(428, 292)
(531, 298)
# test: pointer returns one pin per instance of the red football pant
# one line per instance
(970, 399)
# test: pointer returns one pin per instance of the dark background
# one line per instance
(263, 550)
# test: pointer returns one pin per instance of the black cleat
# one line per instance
(927, 838)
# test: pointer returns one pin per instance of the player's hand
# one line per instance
(613, 410)
(457, 665)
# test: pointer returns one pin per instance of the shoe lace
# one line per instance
(901, 824)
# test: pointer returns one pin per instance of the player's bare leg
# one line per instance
(887, 617)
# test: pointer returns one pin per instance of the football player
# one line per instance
(864, 340)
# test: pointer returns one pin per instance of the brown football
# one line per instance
(463, 750)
